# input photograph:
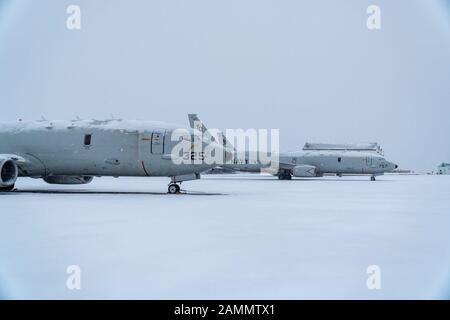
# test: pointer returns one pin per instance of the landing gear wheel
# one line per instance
(174, 188)
(372, 178)
(285, 176)
(10, 188)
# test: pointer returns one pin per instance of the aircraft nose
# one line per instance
(392, 166)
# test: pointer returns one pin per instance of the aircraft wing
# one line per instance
(285, 165)
(285, 162)
(23, 164)
(17, 159)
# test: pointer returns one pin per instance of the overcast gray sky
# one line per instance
(310, 68)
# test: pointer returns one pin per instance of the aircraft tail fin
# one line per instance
(196, 123)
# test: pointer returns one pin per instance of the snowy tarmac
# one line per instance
(229, 237)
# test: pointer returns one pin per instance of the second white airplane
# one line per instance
(335, 159)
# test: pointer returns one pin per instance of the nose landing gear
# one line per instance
(372, 178)
(174, 188)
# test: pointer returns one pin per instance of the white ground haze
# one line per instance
(249, 237)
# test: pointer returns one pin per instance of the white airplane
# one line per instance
(73, 152)
(316, 159)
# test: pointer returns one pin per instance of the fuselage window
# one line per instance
(339, 159)
(87, 139)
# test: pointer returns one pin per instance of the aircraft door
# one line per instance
(144, 145)
(158, 141)
(148, 163)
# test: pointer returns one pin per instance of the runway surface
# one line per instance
(229, 236)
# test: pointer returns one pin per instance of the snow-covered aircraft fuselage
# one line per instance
(73, 152)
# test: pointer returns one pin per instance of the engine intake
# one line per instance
(8, 173)
(304, 171)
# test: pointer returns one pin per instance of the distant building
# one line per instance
(444, 168)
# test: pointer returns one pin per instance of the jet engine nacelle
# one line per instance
(304, 171)
(8, 173)
(68, 179)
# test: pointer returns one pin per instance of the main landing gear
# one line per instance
(174, 188)
(175, 181)
(10, 188)
(372, 178)
(284, 176)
